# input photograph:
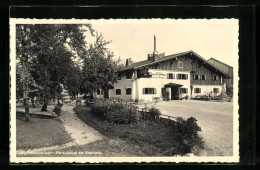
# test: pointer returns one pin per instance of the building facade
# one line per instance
(174, 77)
(226, 68)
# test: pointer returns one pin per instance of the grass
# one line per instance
(115, 147)
(39, 133)
(146, 137)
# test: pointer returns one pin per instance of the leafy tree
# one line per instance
(99, 67)
(44, 56)
(74, 80)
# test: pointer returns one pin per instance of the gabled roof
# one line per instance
(141, 64)
(137, 64)
(150, 62)
(219, 62)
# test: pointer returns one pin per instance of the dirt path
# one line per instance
(80, 133)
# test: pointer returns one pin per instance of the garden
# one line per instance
(116, 119)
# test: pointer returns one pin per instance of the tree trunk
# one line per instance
(44, 107)
(27, 114)
(33, 104)
(54, 101)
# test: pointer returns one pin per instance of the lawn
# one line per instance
(39, 132)
(145, 138)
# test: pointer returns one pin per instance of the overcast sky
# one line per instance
(134, 38)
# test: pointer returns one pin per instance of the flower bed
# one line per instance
(149, 138)
(114, 111)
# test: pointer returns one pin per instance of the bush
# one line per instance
(186, 132)
(57, 109)
(229, 91)
(154, 112)
(115, 112)
(166, 96)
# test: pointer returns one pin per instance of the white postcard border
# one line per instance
(175, 159)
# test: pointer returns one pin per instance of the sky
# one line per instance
(217, 38)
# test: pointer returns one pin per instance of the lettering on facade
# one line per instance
(158, 75)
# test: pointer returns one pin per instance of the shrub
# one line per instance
(154, 112)
(229, 91)
(57, 109)
(166, 96)
(115, 112)
(186, 132)
(186, 97)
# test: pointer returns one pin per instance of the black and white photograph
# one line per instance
(124, 90)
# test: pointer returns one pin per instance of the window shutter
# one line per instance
(194, 77)
(143, 90)
(186, 76)
(199, 77)
(216, 77)
(205, 77)
(154, 90)
(173, 76)
(199, 90)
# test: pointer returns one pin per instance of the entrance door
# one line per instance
(175, 93)
(106, 94)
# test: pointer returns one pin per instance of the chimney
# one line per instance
(129, 62)
(150, 57)
(154, 40)
(155, 56)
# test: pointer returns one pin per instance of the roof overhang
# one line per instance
(173, 85)
(192, 53)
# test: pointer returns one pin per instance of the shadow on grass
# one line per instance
(40, 131)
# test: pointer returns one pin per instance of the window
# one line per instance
(182, 76)
(215, 78)
(128, 75)
(180, 64)
(195, 77)
(216, 90)
(170, 76)
(184, 90)
(199, 77)
(98, 92)
(149, 90)
(128, 91)
(118, 91)
(203, 77)
(197, 90)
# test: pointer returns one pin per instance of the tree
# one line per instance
(99, 67)
(74, 80)
(44, 56)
